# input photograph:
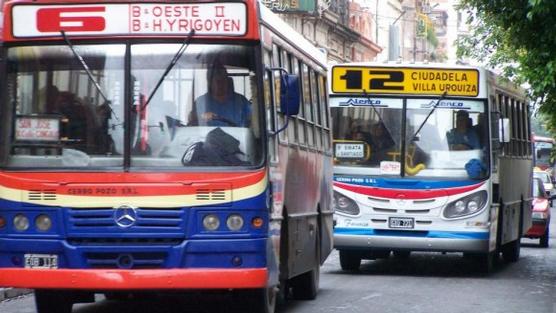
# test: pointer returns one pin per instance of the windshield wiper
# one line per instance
(442, 97)
(175, 59)
(89, 74)
(381, 121)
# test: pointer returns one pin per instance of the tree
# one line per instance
(518, 37)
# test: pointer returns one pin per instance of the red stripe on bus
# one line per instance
(109, 279)
(406, 193)
(137, 184)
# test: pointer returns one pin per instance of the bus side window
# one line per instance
(301, 116)
(267, 85)
(276, 62)
(316, 110)
(307, 105)
(325, 111)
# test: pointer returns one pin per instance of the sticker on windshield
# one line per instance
(37, 129)
(390, 167)
(350, 150)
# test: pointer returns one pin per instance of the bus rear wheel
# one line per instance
(53, 301)
(350, 260)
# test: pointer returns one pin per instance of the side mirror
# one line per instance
(289, 94)
(495, 124)
(504, 130)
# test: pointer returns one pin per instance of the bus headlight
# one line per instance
(459, 207)
(467, 205)
(21, 222)
(234, 222)
(43, 222)
(211, 222)
(345, 205)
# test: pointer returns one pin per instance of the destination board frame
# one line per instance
(383, 80)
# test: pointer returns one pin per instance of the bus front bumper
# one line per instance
(413, 243)
(144, 279)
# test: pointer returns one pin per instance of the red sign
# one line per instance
(37, 129)
(69, 19)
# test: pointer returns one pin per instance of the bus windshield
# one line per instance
(203, 113)
(543, 150)
(450, 144)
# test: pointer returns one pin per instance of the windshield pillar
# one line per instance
(128, 96)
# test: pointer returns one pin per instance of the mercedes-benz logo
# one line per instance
(125, 216)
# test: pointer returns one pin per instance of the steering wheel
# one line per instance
(210, 116)
(461, 146)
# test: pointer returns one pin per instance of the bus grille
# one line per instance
(133, 260)
(99, 241)
(103, 219)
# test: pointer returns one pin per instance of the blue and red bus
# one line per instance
(429, 157)
(113, 180)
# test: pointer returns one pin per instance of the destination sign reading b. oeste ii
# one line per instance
(423, 81)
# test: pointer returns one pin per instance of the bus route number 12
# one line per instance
(378, 80)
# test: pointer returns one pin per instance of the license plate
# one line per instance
(401, 222)
(41, 261)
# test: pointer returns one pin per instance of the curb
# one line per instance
(9, 293)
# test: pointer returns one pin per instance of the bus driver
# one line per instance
(463, 137)
(221, 105)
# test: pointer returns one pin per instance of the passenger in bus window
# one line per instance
(480, 128)
(358, 133)
(463, 137)
(221, 105)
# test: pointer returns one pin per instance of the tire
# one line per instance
(486, 262)
(350, 260)
(511, 251)
(545, 238)
(53, 301)
(306, 285)
(263, 300)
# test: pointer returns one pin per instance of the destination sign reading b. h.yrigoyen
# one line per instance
(382, 80)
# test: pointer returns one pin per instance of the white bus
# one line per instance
(463, 183)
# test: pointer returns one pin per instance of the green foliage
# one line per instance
(518, 37)
(431, 36)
